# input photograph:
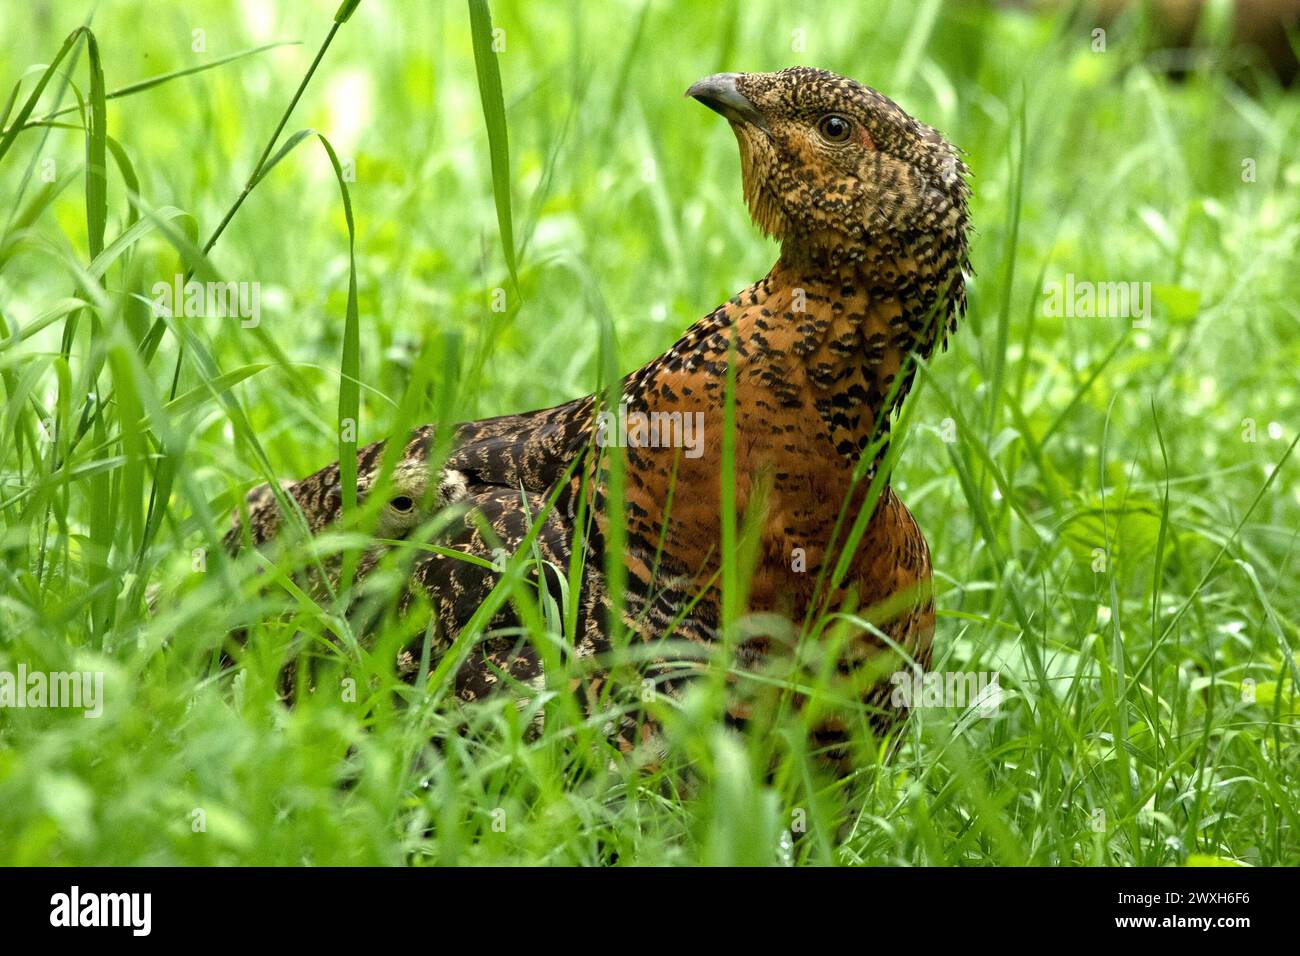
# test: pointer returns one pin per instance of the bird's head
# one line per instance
(839, 173)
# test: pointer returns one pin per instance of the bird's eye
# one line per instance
(835, 129)
(401, 504)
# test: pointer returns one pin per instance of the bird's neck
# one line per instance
(816, 347)
(838, 339)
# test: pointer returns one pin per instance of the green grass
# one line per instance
(1105, 536)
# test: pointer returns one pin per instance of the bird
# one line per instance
(870, 209)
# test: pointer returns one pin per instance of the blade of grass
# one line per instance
(149, 83)
(494, 114)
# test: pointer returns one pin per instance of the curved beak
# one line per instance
(718, 92)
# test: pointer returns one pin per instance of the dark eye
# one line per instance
(401, 504)
(834, 128)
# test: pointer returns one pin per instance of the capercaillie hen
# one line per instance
(870, 208)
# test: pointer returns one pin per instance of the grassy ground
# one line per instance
(1111, 509)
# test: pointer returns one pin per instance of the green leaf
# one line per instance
(34, 97)
(1180, 303)
(345, 10)
(494, 112)
(96, 153)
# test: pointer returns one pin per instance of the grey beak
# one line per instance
(718, 92)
